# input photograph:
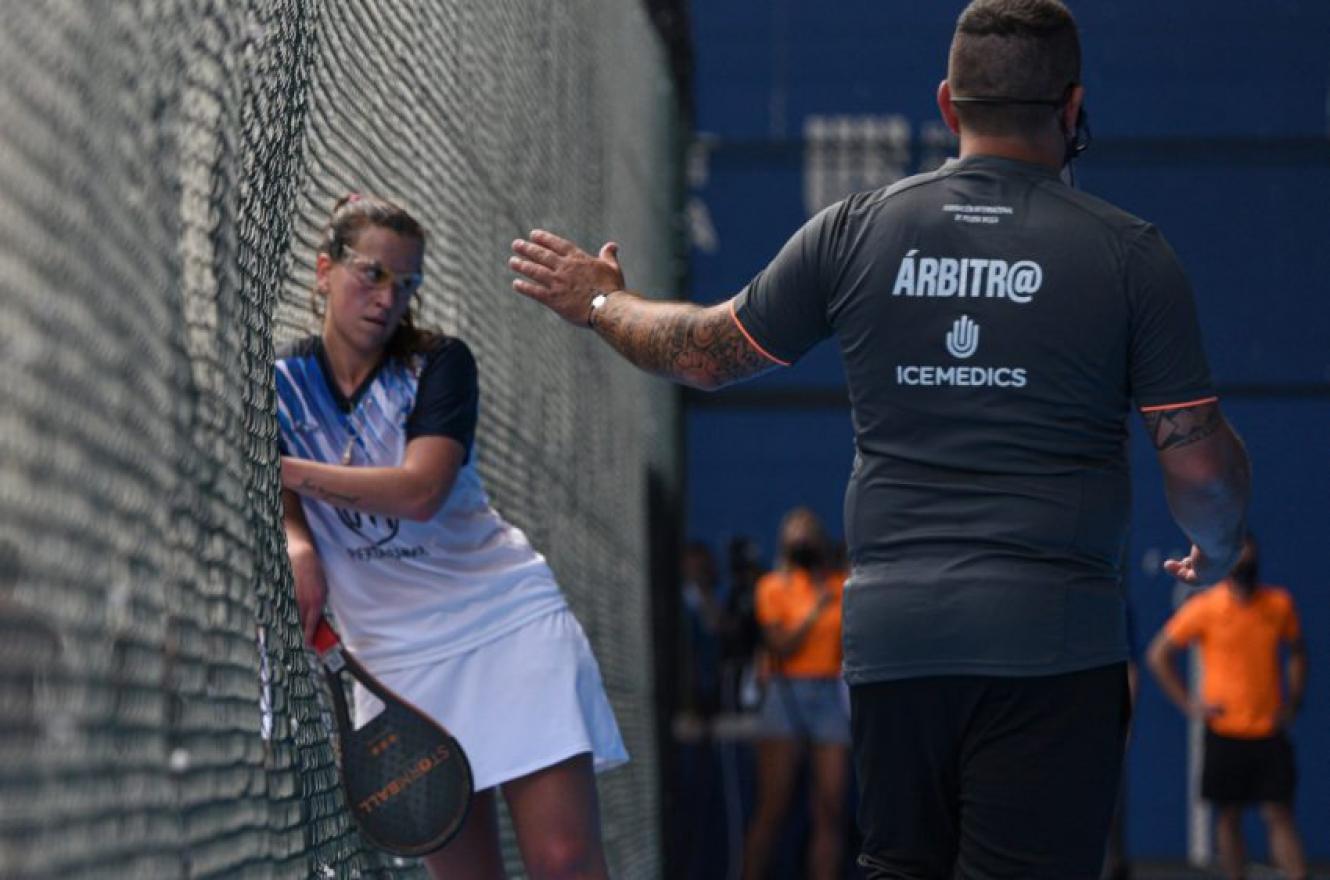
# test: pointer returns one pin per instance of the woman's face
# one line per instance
(369, 289)
(800, 531)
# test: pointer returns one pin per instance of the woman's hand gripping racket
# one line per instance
(407, 780)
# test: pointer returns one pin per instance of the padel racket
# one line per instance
(407, 780)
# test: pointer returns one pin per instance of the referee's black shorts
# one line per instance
(1248, 771)
(989, 777)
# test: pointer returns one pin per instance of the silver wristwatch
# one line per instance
(597, 302)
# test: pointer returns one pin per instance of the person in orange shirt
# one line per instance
(1240, 624)
(799, 608)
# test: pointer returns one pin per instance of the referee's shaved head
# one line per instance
(1026, 49)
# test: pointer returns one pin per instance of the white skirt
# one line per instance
(527, 700)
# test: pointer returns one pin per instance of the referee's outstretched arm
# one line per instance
(1207, 479)
(701, 346)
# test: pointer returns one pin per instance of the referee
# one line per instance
(997, 326)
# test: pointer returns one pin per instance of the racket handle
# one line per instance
(324, 637)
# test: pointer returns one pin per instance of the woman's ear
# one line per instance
(323, 265)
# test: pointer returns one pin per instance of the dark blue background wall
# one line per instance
(1211, 120)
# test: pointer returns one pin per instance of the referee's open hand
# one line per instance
(1197, 568)
(562, 276)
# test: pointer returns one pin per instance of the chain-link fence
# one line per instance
(164, 169)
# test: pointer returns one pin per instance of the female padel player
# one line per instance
(450, 606)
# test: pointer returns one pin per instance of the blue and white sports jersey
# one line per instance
(403, 592)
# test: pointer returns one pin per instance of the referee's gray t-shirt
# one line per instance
(996, 326)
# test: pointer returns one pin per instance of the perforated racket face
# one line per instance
(407, 781)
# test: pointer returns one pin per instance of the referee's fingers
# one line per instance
(1182, 570)
(546, 257)
(538, 292)
(554, 242)
(534, 271)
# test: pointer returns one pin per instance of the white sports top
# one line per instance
(406, 593)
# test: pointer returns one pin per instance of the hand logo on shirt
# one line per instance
(963, 338)
(377, 530)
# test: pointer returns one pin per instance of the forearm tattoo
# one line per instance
(698, 346)
(1172, 428)
(309, 487)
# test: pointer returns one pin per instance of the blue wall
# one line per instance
(1211, 120)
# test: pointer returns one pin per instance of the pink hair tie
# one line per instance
(352, 197)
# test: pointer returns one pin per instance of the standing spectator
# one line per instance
(1239, 624)
(697, 815)
(741, 637)
(703, 621)
(799, 607)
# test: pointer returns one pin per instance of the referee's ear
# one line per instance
(947, 108)
(1072, 110)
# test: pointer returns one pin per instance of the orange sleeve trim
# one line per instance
(1167, 406)
(734, 316)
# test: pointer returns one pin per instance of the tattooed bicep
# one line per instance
(723, 349)
(1172, 428)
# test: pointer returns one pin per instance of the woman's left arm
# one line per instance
(414, 490)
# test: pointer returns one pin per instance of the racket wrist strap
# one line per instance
(333, 660)
(328, 647)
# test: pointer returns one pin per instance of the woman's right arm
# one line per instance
(440, 430)
(414, 490)
(306, 568)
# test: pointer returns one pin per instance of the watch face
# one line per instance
(596, 302)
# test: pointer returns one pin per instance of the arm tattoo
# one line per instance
(1172, 428)
(323, 494)
(698, 346)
